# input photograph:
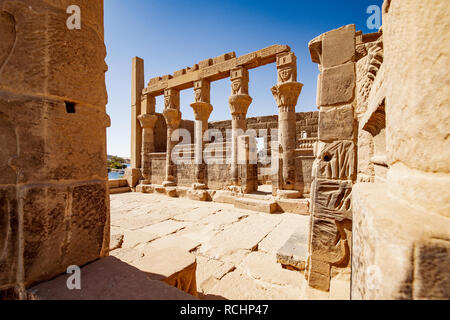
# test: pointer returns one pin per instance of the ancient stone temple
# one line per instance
(347, 202)
(232, 164)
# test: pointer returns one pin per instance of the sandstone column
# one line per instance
(54, 199)
(147, 121)
(137, 85)
(286, 93)
(172, 116)
(202, 110)
(239, 102)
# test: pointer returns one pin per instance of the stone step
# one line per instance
(119, 190)
(111, 279)
(298, 206)
(288, 194)
(292, 255)
(172, 265)
(267, 206)
(222, 196)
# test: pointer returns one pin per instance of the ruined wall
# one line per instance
(306, 122)
(54, 204)
(401, 226)
(334, 169)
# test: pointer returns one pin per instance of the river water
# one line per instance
(116, 175)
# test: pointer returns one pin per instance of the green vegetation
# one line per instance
(116, 163)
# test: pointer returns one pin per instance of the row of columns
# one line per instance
(286, 94)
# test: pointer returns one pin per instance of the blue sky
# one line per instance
(170, 35)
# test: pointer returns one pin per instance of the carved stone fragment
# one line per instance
(337, 161)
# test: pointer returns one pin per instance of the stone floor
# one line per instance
(235, 248)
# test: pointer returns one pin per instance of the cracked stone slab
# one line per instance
(264, 267)
(164, 228)
(174, 240)
(245, 234)
(294, 252)
(280, 235)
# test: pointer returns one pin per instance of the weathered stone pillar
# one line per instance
(286, 93)
(147, 120)
(202, 110)
(334, 169)
(239, 102)
(172, 115)
(54, 199)
(137, 85)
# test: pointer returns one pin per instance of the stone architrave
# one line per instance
(147, 122)
(202, 110)
(239, 102)
(172, 115)
(286, 94)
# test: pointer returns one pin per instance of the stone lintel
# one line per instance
(214, 69)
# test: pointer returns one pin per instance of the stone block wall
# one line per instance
(54, 202)
(306, 122)
(218, 176)
(401, 203)
(158, 168)
(160, 132)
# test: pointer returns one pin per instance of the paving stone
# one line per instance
(109, 279)
(295, 251)
(278, 237)
(238, 286)
(263, 266)
(173, 265)
(174, 240)
(163, 228)
(195, 215)
(241, 235)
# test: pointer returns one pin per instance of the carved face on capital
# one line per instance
(198, 95)
(286, 75)
(236, 86)
(172, 99)
(167, 101)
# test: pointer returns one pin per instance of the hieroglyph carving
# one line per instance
(337, 161)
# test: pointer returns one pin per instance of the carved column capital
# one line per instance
(239, 81)
(148, 103)
(202, 110)
(172, 99)
(202, 89)
(286, 95)
(239, 105)
(286, 67)
(172, 117)
(147, 121)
